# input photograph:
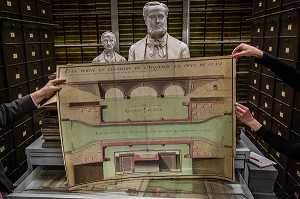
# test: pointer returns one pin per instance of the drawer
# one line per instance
(288, 62)
(14, 54)
(279, 191)
(31, 33)
(12, 32)
(37, 135)
(35, 85)
(287, 2)
(261, 149)
(253, 109)
(270, 46)
(264, 118)
(4, 96)
(296, 119)
(33, 51)
(47, 1)
(35, 69)
(282, 113)
(297, 100)
(272, 26)
(16, 74)
(1, 54)
(22, 120)
(281, 173)
(251, 135)
(266, 103)
(259, 6)
(268, 72)
(257, 29)
(254, 79)
(10, 6)
(38, 121)
(280, 158)
(292, 187)
(264, 145)
(48, 50)
(49, 66)
(267, 84)
(23, 131)
(253, 96)
(288, 48)
(21, 156)
(6, 144)
(257, 42)
(14, 176)
(280, 129)
(46, 34)
(4, 130)
(44, 10)
(9, 163)
(3, 83)
(23, 167)
(294, 168)
(283, 92)
(273, 4)
(19, 91)
(29, 8)
(255, 66)
(289, 23)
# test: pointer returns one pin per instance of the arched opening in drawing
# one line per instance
(143, 91)
(114, 93)
(173, 90)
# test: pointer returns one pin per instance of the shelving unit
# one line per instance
(276, 30)
(26, 60)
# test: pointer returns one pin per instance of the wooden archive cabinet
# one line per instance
(26, 60)
(276, 30)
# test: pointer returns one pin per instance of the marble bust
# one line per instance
(108, 40)
(157, 44)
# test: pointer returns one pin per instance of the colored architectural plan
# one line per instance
(167, 119)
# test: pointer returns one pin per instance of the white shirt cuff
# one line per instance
(36, 104)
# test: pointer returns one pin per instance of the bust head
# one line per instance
(155, 16)
(108, 40)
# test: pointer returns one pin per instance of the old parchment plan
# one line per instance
(147, 120)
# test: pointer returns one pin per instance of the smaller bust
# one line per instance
(108, 40)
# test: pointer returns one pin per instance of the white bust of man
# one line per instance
(108, 40)
(157, 44)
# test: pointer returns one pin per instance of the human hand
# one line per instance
(245, 50)
(244, 115)
(48, 90)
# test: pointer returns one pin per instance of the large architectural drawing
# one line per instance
(148, 120)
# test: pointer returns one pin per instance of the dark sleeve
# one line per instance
(291, 150)
(287, 73)
(10, 112)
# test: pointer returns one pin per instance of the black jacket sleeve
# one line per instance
(10, 112)
(291, 150)
(287, 73)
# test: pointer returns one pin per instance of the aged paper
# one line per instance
(148, 120)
